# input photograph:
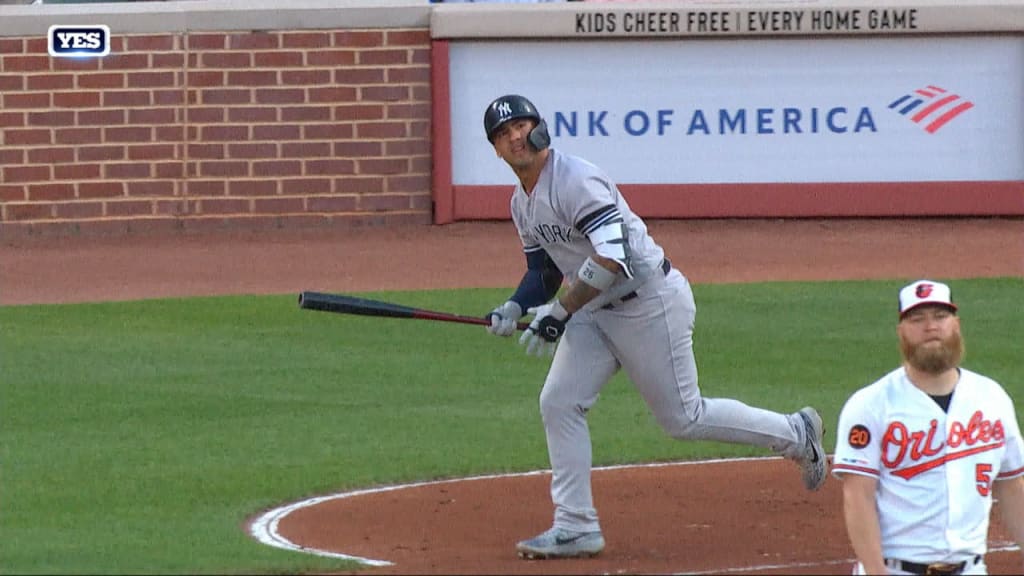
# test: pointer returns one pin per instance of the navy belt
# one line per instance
(666, 267)
(936, 568)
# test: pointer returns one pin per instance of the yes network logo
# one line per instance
(79, 41)
(931, 107)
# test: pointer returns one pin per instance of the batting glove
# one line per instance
(547, 327)
(503, 319)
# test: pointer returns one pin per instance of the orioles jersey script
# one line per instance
(571, 198)
(935, 469)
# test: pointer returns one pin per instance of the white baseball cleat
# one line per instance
(813, 462)
(561, 543)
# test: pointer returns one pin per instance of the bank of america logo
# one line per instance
(931, 107)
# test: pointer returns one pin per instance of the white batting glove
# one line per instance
(547, 327)
(503, 319)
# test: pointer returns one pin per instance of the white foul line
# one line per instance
(265, 528)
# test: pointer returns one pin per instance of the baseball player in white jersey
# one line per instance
(625, 306)
(923, 450)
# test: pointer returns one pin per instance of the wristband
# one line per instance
(596, 275)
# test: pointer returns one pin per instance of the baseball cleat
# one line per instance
(814, 462)
(561, 543)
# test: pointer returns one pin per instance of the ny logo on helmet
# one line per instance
(503, 108)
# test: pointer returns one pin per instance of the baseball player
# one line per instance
(922, 451)
(625, 306)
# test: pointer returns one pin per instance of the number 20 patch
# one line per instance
(860, 437)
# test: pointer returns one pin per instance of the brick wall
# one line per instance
(216, 130)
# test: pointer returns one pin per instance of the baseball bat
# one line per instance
(342, 304)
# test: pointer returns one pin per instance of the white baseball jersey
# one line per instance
(935, 469)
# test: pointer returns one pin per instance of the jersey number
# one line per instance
(983, 476)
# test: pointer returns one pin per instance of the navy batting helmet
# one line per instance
(513, 107)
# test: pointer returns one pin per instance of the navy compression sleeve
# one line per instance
(540, 282)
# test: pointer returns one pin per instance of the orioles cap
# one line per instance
(925, 292)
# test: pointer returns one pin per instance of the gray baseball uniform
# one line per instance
(649, 335)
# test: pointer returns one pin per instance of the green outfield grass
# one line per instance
(138, 437)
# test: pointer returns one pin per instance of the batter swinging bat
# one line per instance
(342, 304)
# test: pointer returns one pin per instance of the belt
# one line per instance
(666, 267)
(936, 568)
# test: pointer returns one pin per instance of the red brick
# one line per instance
(127, 170)
(252, 150)
(359, 39)
(261, 187)
(305, 186)
(226, 96)
(305, 77)
(331, 58)
(277, 168)
(128, 134)
(305, 149)
(327, 131)
(151, 152)
(117, 98)
(173, 60)
(224, 133)
(280, 96)
(276, 132)
(62, 118)
(151, 116)
(78, 210)
(202, 79)
(150, 79)
(17, 174)
(32, 211)
(25, 63)
(407, 148)
(410, 75)
(254, 41)
(278, 205)
(122, 61)
(97, 153)
(170, 207)
(384, 93)
(420, 93)
(305, 39)
(11, 46)
(407, 37)
(58, 155)
(50, 81)
(416, 111)
(104, 117)
(27, 136)
(170, 134)
(169, 169)
(382, 130)
(205, 187)
(49, 192)
(76, 99)
(201, 41)
(75, 64)
(170, 97)
(11, 82)
(150, 188)
(225, 168)
(100, 189)
(223, 206)
(331, 166)
(306, 114)
(333, 94)
(30, 100)
(11, 156)
(11, 119)
(382, 57)
(383, 202)
(252, 78)
(419, 183)
(11, 193)
(331, 203)
(359, 185)
(37, 45)
(205, 151)
(225, 60)
(351, 112)
(359, 76)
(129, 207)
(383, 165)
(154, 43)
(205, 115)
(278, 59)
(420, 57)
(101, 80)
(76, 172)
(253, 114)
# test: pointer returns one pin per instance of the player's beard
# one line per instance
(934, 359)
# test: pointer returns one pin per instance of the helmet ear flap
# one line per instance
(539, 137)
